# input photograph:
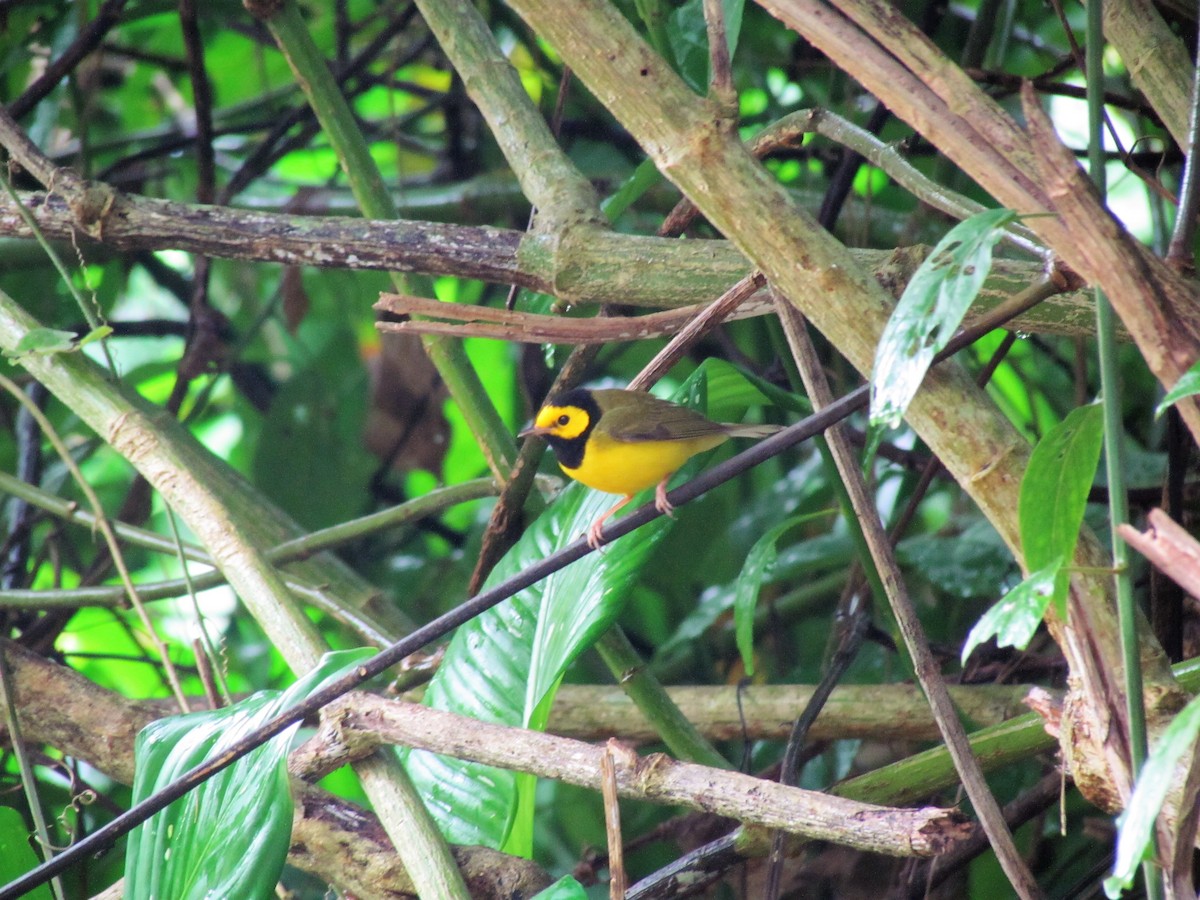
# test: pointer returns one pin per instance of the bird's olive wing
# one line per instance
(657, 420)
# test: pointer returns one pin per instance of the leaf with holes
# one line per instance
(1014, 620)
(930, 311)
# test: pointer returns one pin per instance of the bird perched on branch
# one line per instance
(622, 442)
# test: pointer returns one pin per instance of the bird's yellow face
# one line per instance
(564, 422)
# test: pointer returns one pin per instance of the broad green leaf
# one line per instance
(930, 311)
(1015, 618)
(1137, 822)
(757, 570)
(724, 392)
(43, 342)
(566, 888)
(581, 602)
(16, 854)
(1187, 386)
(1055, 487)
(229, 837)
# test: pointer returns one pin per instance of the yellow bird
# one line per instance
(621, 442)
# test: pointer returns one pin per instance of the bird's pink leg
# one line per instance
(593, 533)
(661, 503)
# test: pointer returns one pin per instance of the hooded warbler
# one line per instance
(621, 442)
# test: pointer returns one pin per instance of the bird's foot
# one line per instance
(594, 539)
(661, 503)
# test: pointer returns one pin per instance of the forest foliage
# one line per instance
(239, 436)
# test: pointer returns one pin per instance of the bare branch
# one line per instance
(656, 778)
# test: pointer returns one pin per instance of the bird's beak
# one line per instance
(532, 431)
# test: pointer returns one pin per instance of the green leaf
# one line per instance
(1187, 386)
(16, 854)
(582, 601)
(43, 342)
(1015, 618)
(757, 570)
(1055, 487)
(930, 311)
(1137, 822)
(566, 888)
(230, 836)
(99, 333)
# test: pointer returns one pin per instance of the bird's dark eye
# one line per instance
(564, 419)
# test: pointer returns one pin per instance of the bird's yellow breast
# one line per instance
(626, 467)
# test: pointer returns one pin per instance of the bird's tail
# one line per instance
(752, 431)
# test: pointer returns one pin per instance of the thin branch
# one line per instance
(465, 320)
(886, 712)
(202, 101)
(720, 68)
(705, 321)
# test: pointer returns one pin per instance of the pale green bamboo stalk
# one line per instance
(1110, 398)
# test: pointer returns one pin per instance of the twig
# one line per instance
(535, 328)
(202, 98)
(618, 880)
(1179, 251)
(712, 316)
(720, 66)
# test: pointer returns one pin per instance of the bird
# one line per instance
(621, 442)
